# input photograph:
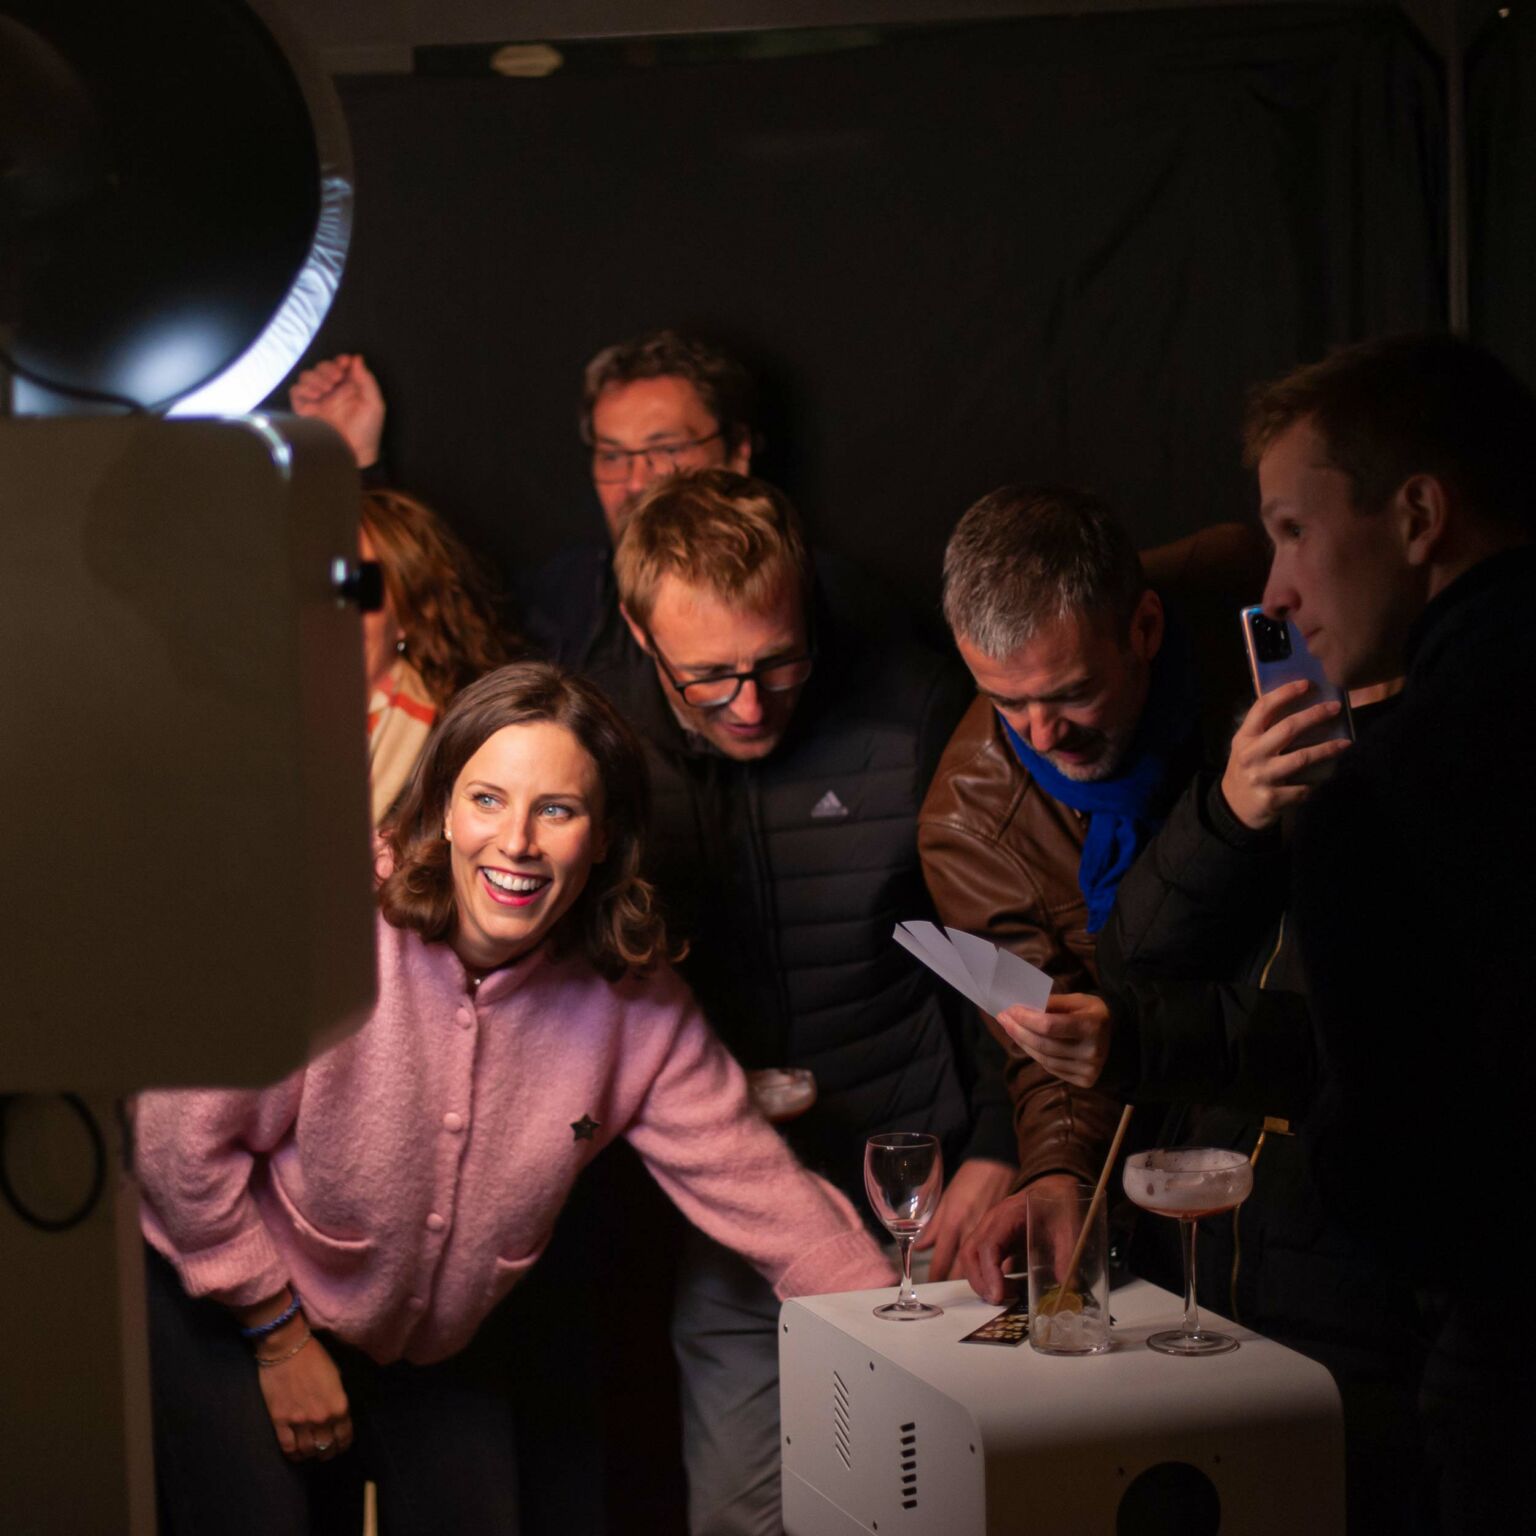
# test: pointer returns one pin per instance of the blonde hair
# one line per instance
(737, 537)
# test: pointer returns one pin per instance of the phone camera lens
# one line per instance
(1271, 638)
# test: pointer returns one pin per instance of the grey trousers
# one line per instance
(725, 1334)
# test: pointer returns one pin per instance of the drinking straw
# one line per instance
(1070, 1274)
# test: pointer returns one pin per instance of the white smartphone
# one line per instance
(1277, 654)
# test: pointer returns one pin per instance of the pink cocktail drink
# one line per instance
(1186, 1183)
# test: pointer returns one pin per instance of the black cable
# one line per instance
(71, 391)
(98, 1171)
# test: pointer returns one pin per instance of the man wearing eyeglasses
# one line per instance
(657, 405)
(789, 750)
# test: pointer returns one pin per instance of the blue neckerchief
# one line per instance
(1119, 808)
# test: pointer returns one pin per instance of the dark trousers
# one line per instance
(440, 1441)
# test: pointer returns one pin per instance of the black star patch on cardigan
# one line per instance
(584, 1129)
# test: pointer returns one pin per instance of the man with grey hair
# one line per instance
(1045, 595)
(1085, 728)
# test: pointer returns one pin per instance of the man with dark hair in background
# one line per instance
(1085, 729)
(789, 752)
(1398, 485)
(664, 388)
(652, 406)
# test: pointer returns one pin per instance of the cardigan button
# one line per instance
(465, 1016)
(453, 1121)
(435, 1223)
(417, 1303)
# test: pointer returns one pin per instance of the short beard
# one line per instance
(1105, 766)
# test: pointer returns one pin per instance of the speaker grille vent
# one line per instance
(909, 1466)
(842, 1439)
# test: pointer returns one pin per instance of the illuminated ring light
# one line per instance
(176, 200)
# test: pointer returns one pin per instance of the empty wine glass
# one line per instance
(1188, 1183)
(903, 1173)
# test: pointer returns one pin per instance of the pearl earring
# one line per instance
(447, 834)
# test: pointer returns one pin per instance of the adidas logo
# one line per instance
(828, 808)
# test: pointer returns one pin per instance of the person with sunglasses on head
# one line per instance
(789, 751)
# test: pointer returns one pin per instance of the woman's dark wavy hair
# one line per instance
(615, 922)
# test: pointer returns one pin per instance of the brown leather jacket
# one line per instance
(1000, 855)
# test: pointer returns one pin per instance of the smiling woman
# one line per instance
(527, 1016)
(529, 805)
(524, 821)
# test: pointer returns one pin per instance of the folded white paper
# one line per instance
(991, 977)
(979, 958)
(938, 954)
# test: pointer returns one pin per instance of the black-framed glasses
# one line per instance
(611, 465)
(778, 675)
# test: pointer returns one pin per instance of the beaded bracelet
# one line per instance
(261, 1330)
(278, 1359)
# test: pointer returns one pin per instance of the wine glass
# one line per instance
(903, 1173)
(1188, 1183)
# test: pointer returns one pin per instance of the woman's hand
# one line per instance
(304, 1396)
(1261, 768)
(1069, 1037)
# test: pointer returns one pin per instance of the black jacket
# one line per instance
(787, 875)
(571, 611)
(1414, 909)
(1203, 976)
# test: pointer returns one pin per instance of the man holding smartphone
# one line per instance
(1398, 484)
(1398, 487)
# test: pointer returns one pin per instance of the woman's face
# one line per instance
(525, 824)
(380, 631)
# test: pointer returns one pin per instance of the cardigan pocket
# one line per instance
(505, 1273)
(330, 1255)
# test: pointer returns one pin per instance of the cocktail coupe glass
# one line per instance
(903, 1173)
(1188, 1183)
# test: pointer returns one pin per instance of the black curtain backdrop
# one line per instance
(1045, 249)
(1501, 151)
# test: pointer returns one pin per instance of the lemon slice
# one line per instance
(1056, 1300)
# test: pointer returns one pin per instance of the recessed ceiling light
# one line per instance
(526, 61)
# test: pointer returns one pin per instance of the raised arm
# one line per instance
(341, 392)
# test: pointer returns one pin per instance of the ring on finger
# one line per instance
(324, 1445)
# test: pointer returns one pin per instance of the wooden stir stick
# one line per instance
(1064, 1289)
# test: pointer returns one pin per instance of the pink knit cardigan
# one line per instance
(408, 1177)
